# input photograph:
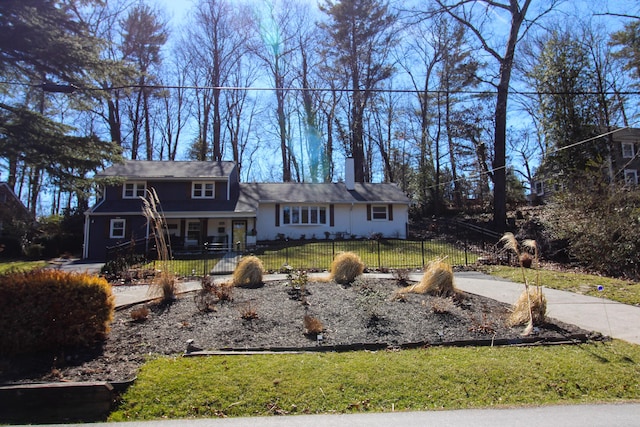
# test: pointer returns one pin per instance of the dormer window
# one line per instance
(202, 190)
(134, 190)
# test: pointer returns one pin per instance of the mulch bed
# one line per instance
(364, 314)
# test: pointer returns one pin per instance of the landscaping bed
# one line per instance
(364, 314)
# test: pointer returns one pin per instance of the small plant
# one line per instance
(298, 281)
(443, 306)
(312, 325)
(346, 267)
(248, 312)
(401, 276)
(140, 314)
(249, 272)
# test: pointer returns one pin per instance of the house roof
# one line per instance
(291, 192)
(168, 170)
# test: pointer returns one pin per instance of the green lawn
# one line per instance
(383, 254)
(432, 378)
(614, 289)
(8, 266)
(375, 254)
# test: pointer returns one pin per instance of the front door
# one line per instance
(192, 238)
(239, 236)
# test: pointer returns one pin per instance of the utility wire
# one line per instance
(74, 88)
(490, 171)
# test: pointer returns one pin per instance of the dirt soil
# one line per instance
(271, 316)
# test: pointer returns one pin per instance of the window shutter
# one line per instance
(368, 212)
(390, 212)
(277, 215)
(331, 216)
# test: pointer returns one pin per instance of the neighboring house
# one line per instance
(205, 205)
(15, 221)
(624, 165)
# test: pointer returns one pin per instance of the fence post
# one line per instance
(466, 244)
(379, 263)
(422, 250)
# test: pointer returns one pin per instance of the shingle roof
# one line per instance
(290, 192)
(143, 169)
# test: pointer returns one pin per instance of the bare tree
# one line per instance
(477, 17)
(215, 42)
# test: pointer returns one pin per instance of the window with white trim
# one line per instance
(631, 177)
(116, 228)
(304, 215)
(379, 212)
(134, 190)
(628, 150)
(202, 190)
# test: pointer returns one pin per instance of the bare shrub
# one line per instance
(346, 267)
(312, 325)
(249, 272)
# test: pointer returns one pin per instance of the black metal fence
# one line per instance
(458, 248)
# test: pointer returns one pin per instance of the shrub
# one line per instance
(437, 281)
(49, 310)
(249, 272)
(248, 312)
(346, 267)
(531, 308)
(605, 219)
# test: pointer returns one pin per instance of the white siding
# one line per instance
(348, 220)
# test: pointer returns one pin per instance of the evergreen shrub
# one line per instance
(49, 310)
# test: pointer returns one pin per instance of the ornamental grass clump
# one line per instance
(346, 267)
(437, 281)
(165, 282)
(248, 272)
(531, 307)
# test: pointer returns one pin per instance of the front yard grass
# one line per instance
(426, 379)
(9, 266)
(623, 291)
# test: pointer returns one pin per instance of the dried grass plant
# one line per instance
(532, 304)
(312, 325)
(248, 272)
(346, 267)
(530, 309)
(436, 281)
(164, 284)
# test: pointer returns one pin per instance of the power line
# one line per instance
(492, 170)
(51, 87)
